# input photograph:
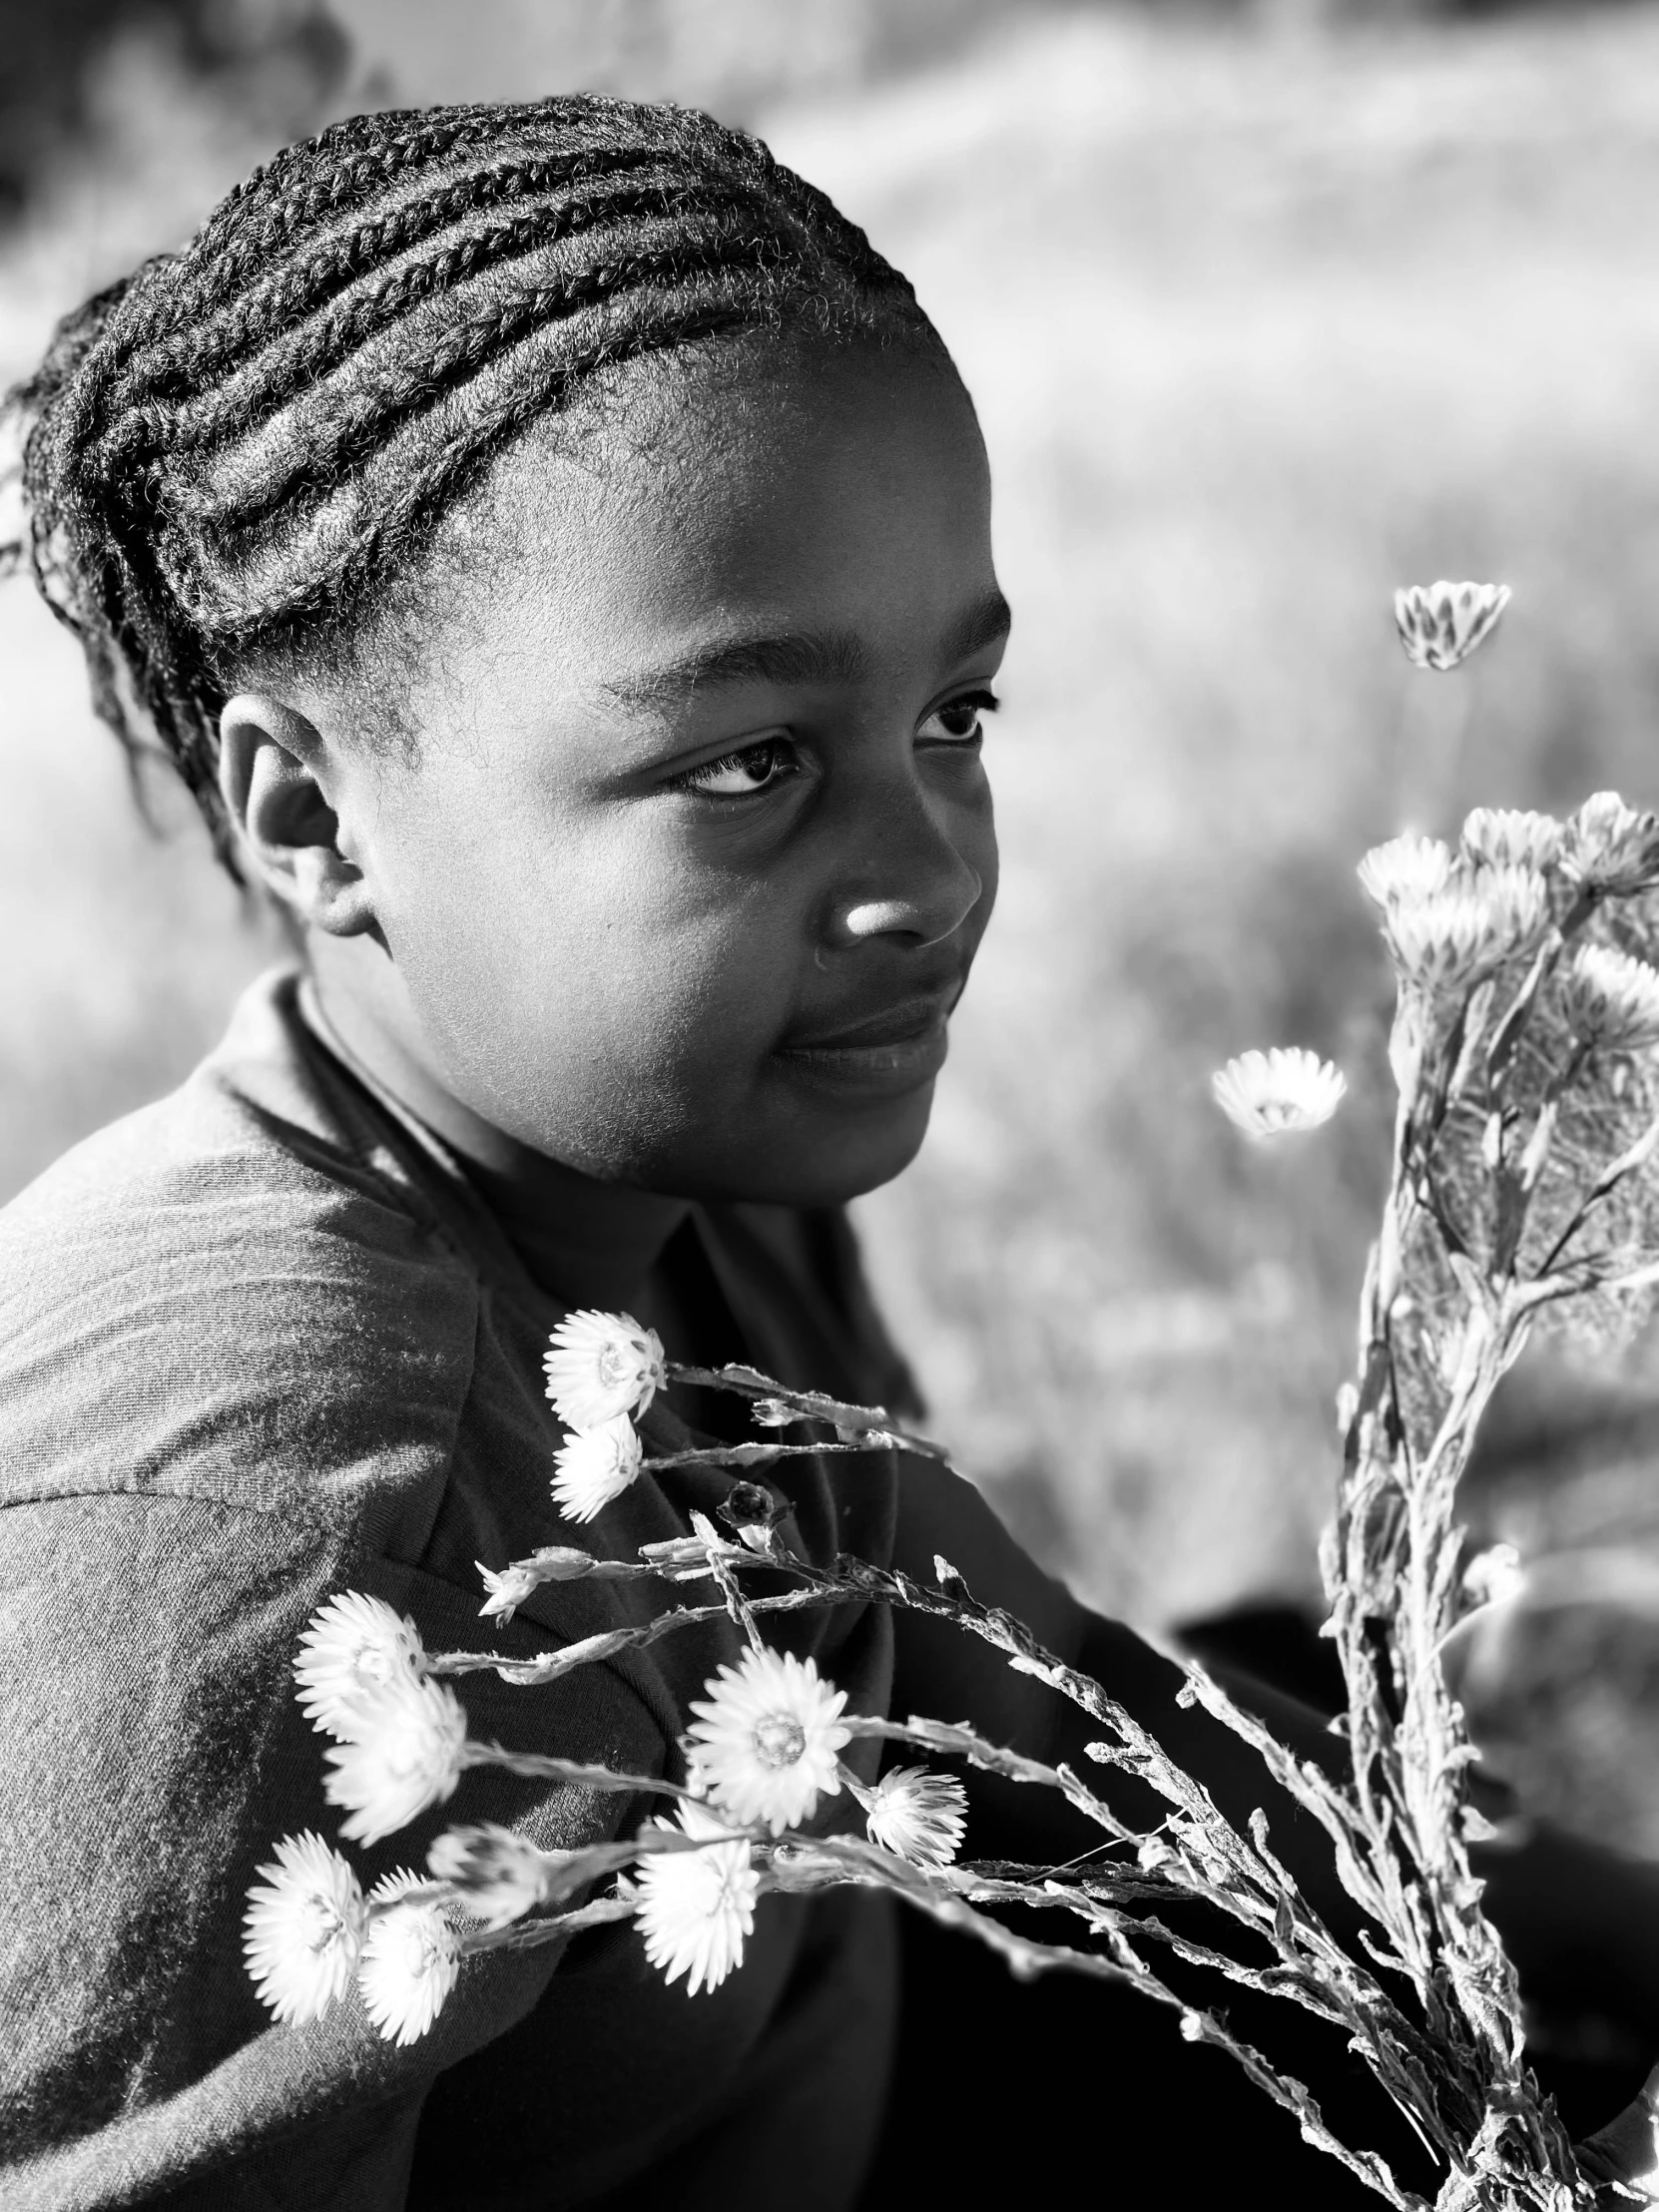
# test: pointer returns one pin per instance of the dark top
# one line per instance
(259, 1343)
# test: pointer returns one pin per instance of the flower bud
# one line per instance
(1442, 624)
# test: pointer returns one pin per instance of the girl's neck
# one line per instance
(589, 1243)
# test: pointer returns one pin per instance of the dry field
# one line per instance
(1257, 327)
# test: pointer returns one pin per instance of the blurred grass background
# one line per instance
(1265, 312)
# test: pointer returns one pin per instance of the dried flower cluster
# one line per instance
(1525, 1051)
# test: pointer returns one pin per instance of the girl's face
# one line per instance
(699, 848)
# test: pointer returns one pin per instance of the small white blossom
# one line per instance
(1443, 939)
(1511, 837)
(1518, 901)
(594, 1466)
(501, 1875)
(1611, 847)
(1278, 1093)
(1612, 998)
(507, 1590)
(509, 1587)
(694, 1909)
(772, 1413)
(766, 1739)
(303, 1928)
(559, 1563)
(1463, 933)
(1406, 867)
(675, 1554)
(354, 1648)
(1442, 624)
(411, 1959)
(920, 1815)
(602, 1364)
(408, 1758)
(1493, 1576)
(686, 1558)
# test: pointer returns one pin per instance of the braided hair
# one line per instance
(235, 454)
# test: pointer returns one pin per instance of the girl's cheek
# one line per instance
(549, 945)
(974, 836)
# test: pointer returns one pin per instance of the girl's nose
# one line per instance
(913, 882)
(898, 917)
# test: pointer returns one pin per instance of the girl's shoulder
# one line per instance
(240, 1293)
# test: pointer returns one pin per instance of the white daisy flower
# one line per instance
(353, 1648)
(408, 1757)
(1611, 847)
(1406, 867)
(766, 1739)
(594, 1466)
(501, 1875)
(302, 1930)
(1511, 837)
(602, 1364)
(1442, 624)
(1612, 998)
(1279, 1093)
(694, 1909)
(411, 1959)
(1467, 930)
(919, 1816)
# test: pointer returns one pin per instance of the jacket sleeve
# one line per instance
(153, 1754)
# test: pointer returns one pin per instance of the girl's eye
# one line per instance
(740, 775)
(958, 723)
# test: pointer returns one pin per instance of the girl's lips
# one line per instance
(892, 1052)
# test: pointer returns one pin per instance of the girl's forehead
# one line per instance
(836, 538)
(798, 491)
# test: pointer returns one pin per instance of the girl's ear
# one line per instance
(271, 764)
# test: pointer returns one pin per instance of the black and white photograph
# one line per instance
(829, 1105)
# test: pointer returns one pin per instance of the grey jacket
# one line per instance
(260, 1342)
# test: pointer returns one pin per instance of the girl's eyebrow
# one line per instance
(824, 657)
(986, 623)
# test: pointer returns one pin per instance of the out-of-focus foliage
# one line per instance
(283, 63)
(1260, 324)
(277, 61)
(1257, 331)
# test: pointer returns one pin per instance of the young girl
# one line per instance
(554, 549)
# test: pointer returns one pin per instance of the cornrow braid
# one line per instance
(379, 302)
(294, 290)
(462, 326)
(231, 456)
(291, 194)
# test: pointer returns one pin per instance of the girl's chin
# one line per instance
(806, 1140)
(841, 1149)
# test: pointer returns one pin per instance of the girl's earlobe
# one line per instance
(272, 776)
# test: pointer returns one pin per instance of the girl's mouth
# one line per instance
(890, 1053)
